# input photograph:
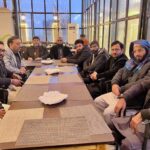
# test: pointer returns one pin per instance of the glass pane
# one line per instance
(106, 34)
(92, 34)
(148, 30)
(63, 34)
(76, 6)
(80, 31)
(64, 20)
(38, 5)
(49, 35)
(76, 18)
(121, 8)
(25, 6)
(112, 33)
(148, 8)
(89, 34)
(63, 6)
(97, 33)
(1, 3)
(89, 17)
(114, 10)
(39, 21)
(26, 35)
(132, 33)
(121, 31)
(40, 33)
(84, 20)
(101, 11)
(49, 20)
(101, 36)
(9, 4)
(25, 19)
(136, 5)
(93, 15)
(51, 5)
(97, 12)
(107, 10)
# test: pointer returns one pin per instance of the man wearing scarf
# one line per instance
(135, 70)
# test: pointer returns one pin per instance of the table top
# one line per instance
(78, 104)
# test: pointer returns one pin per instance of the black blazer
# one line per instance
(54, 54)
(5, 76)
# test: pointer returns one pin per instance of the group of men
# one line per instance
(127, 80)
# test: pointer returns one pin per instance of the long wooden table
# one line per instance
(78, 95)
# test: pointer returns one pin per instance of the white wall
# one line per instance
(6, 25)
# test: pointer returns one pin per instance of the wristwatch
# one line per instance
(120, 96)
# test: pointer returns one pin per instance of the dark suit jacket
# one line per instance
(112, 66)
(80, 58)
(5, 76)
(43, 53)
(100, 59)
(54, 54)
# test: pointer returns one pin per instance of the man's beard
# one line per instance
(139, 60)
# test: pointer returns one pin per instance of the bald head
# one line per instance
(59, 41)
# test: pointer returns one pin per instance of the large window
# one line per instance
(115, 20)
(47, 19)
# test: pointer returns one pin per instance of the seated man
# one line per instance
(59, 51)
(12, 58)
(6, 77)
(82, 54)
(37, 51)
(135, 70)
(116, 61)
(135, 139)
(96, 61)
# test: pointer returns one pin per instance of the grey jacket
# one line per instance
(10, 61)
(125, 79)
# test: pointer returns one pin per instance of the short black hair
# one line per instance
(1, 42)
(11, 39)
(118, 42)
(79, 41)
(35, 37)
(94, 42)
(82, 35)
